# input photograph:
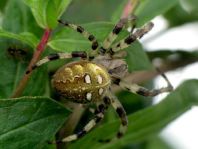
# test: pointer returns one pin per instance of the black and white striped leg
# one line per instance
(84, 33)
(106, 102)
(57, 56)
(122, 115)
(134, 88)
(99, 114)
(124, 43)
(113, 35)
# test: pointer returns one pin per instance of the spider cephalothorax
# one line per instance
(89, 80)
(116, 66)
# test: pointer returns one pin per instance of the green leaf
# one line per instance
(137, 58)
(2, 4)
(47, 12)
(131, 106)
(146, 122)
(178, 15)
(148, 9)
(12, 70)
(191, 6)
(19, 27)
(157, 143)
(165, 53)
(24, 22)
(118, 12)
(38, 84)
(67, 40)
(29, 122)
(84, 11)
(25, 37)
(15, 31)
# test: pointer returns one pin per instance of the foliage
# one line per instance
(26, 118)
(34, 118)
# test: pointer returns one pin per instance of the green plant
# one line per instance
(28, 115)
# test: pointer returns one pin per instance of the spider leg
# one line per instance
(124, 43)
(134, 88)
(57, 56)
(122, 115)
(114, 33)
(99, 114)
(84, 33)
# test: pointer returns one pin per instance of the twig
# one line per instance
(39, 49)
(130, 7)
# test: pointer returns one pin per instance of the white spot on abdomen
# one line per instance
(101, 91)
(88, 96)
(99, 77)
(87, 79)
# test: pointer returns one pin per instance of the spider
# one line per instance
(89, 79)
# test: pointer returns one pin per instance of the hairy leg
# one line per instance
(122, 115)
(83, 32)
(134, 88)
(114, 33)
(99, 114)
(57, 56)
(124, 43)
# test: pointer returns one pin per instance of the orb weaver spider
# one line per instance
(89, 80)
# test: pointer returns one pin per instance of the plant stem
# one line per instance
(130, 7)
(39, 49)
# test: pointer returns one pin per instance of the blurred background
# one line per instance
(183, 132)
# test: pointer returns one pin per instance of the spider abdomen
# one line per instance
(81, 81)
